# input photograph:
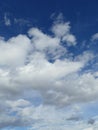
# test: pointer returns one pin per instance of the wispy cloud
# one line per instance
(7, 20)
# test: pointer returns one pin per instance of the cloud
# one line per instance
(39, 117)
(62, 30)
(22, 22)
(95, 37)
(7, 21)
(26, 64)
(70, 39)
(39, 63)
(42, 41)
(14, 51)
(57, 17)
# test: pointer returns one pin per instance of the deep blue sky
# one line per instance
(83, 14)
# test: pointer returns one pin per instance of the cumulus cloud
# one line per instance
(13, 52)
(62, 30)
(39, 62)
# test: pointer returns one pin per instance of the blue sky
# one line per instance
(82, 14)
(48, 65)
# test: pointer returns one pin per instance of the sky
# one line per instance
(48, 65)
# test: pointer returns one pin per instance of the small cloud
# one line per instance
(22, 22)
(7, 21)
(61, 29)
(94, 37)
(57, 18)
(70, 39)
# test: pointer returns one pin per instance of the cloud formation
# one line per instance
(40, 62)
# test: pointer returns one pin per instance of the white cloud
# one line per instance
(62, 30)
(70, 39)
(14, 51)
(25, 66)
(42, 41)
(47, 44)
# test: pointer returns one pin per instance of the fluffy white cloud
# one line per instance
(47, 44)
(39, 62)
(14, 51)
(62, 30)
(25, 64)
(42, 41)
